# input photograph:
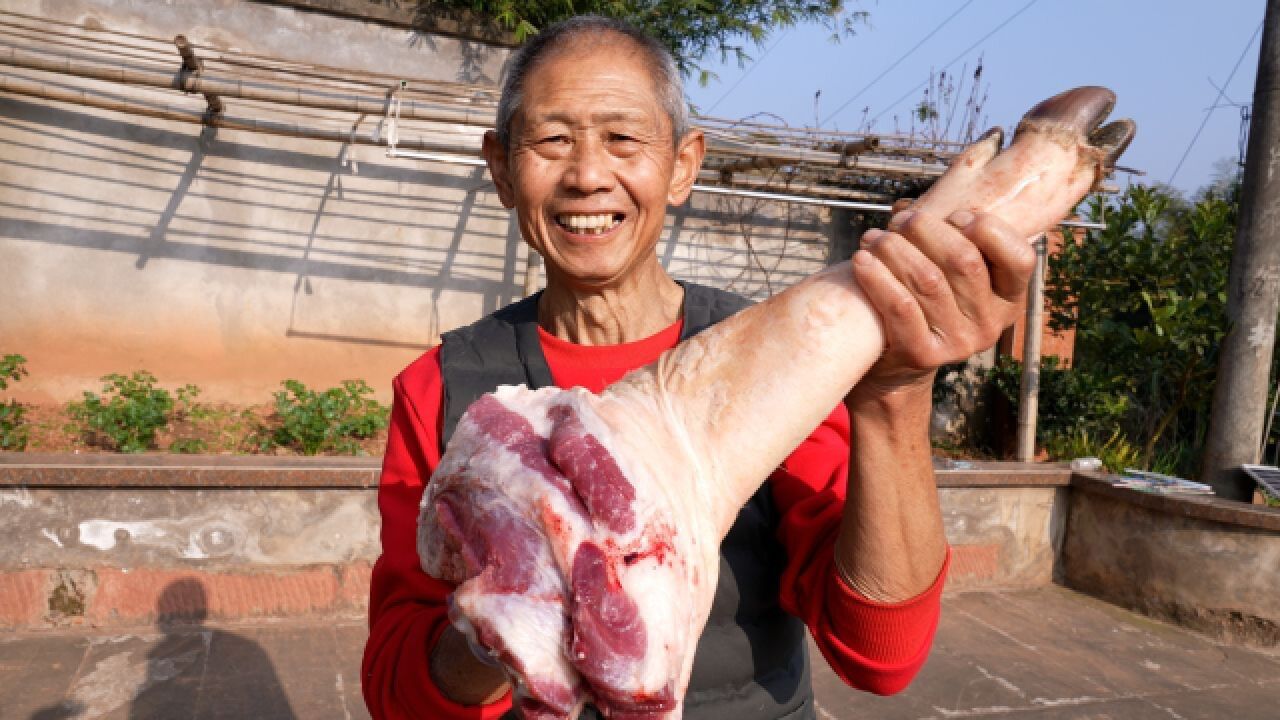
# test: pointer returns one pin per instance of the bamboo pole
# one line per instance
(212, 85)
(22, 86)
(412, 110)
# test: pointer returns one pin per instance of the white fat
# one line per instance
(535, 628)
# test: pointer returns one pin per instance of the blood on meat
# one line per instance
(609, 637)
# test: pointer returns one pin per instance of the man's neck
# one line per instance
(645, 303)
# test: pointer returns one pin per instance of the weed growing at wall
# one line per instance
(13, 430)
(129, 412)
(316, 421)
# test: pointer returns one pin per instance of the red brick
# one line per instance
(22, 597)
(974, 562)
(139, 595)
(354, 588)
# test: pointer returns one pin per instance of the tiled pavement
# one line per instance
(1047, 654)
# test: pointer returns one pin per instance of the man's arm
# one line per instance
(891, 546)
(415, 664)
(945, 289)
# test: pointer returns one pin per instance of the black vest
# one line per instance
(751, 662)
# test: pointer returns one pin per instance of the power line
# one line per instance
(897, 62)
(957, 58)
(1213, 106)
(754, 64)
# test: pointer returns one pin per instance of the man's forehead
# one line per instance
(595, 117)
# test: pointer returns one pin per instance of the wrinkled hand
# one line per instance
(945, 288)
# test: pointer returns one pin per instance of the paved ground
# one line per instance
(1047, 654)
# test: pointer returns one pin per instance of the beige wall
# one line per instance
(234, 260)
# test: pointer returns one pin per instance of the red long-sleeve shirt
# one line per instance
(872, 646)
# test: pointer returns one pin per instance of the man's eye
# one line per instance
(621, 137)
(554, 139)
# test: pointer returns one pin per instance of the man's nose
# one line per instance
(590, 170)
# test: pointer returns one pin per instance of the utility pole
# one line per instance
(1253, 289)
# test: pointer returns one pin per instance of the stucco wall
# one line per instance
(234, 260)
(1166, 558)
(99, 539)
(1002, 537)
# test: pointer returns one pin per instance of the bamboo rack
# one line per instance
(433, 119)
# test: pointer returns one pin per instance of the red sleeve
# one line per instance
(407, 607)
(872, 646)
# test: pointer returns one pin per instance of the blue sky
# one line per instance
(1159, 57)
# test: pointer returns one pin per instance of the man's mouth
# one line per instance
(596, 224)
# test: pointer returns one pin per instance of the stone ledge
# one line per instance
(35, 470)
(1199, 507)
(54, 470)
(950, 473)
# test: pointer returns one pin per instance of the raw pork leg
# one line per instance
(583, 531)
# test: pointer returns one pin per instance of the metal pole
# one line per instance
(1253, 291)
(532, 274)
(1029, 392)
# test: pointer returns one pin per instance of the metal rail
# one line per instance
(713, 190)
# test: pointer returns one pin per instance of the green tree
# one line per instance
(1147, 297)
(691, 30)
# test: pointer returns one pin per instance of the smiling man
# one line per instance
(592, 145)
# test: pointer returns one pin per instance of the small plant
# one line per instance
(188, 446)
(1116, 453)
(13, 430)
(326, 421)
(129, 411)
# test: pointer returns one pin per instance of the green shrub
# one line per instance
(1147, 296)
(326, 421)
(1070, 399)
(129, 411)
(13, 430)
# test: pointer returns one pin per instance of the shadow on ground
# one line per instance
(1043, 654)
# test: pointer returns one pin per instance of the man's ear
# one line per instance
(689, 154)
(496, 156)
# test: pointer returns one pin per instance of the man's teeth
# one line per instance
(591, 224)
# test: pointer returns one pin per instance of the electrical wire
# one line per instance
(1213, 106)
(755, 64)
(895, 64)
(956, 59)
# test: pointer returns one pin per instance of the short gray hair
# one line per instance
(662, 68)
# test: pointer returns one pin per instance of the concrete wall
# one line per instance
(102, 540)
(234, 260)
(1211, 565)
(1002, 537)
(107, 557)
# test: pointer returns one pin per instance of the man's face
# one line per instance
(591, 167)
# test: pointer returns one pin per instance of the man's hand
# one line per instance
(945, 288)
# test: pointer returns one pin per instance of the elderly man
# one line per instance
(591, 147)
